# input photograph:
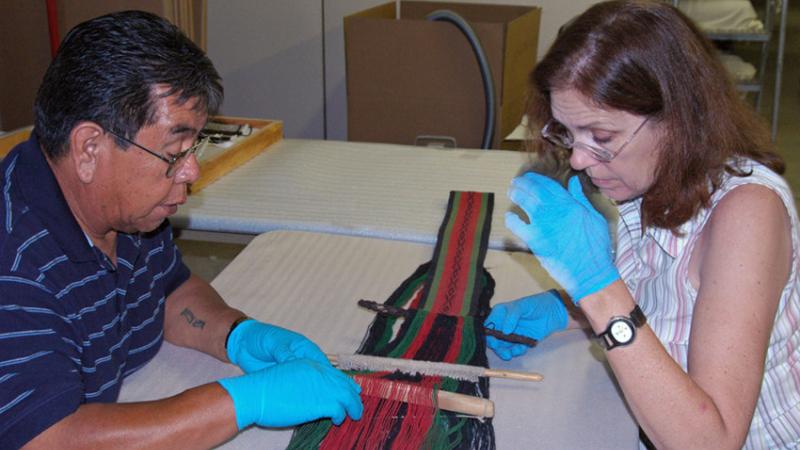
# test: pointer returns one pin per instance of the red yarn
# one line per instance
(384, 401)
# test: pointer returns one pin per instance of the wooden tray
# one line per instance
(214, 162)
(12, 138)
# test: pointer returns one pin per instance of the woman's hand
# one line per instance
(566, 234)
(535, 316)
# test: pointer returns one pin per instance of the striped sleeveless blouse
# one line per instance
(654, 265)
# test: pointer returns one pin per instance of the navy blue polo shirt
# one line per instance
(72, 325)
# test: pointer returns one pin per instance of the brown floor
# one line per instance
(208, 259)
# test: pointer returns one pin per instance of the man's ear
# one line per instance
(85, 142)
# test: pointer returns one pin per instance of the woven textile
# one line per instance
(447, 299)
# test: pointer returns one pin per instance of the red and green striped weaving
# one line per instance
(447, 299)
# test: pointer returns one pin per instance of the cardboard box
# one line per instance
(410, 77)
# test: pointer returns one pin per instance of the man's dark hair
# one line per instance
(106, 70)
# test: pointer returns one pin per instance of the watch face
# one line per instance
(622, 331)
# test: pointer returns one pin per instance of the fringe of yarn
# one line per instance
(408, 419)
(384, 402)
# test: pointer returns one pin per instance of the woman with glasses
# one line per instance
(698, 307)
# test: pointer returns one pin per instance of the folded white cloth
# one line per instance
(723, 15)
(739, 69)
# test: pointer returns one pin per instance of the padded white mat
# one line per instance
(379, 190)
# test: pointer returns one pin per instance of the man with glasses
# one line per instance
(91, 282)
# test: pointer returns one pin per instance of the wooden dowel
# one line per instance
(380, 363)
(513, 375)
(465, 404)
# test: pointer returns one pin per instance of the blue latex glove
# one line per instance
(292, 393)
(535, 316)
(255, 345)
(566, 234)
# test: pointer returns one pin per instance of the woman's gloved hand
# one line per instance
(535, 316)
(566, 234)
(293, 392)
(255, 345)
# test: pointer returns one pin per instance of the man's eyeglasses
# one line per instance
(559, 135)
(173, 162)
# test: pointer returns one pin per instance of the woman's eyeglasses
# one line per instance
(559, 135)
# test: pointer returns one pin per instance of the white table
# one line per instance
(380, 190)
(310, 282)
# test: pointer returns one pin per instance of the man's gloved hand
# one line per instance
(566, 234)
(255, 345)
(535, 316)
(293, 392)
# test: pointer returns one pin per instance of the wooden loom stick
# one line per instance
(410, 393)
(400, 312)
(435, 368)
(465, 404)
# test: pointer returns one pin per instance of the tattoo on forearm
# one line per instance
(191, 319)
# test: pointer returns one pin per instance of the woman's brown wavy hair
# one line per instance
(648, 59)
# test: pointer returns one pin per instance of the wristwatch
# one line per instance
(621, 330)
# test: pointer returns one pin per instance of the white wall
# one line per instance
(269, 54)
(335, 79)
(554, 14)
(276, 63)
